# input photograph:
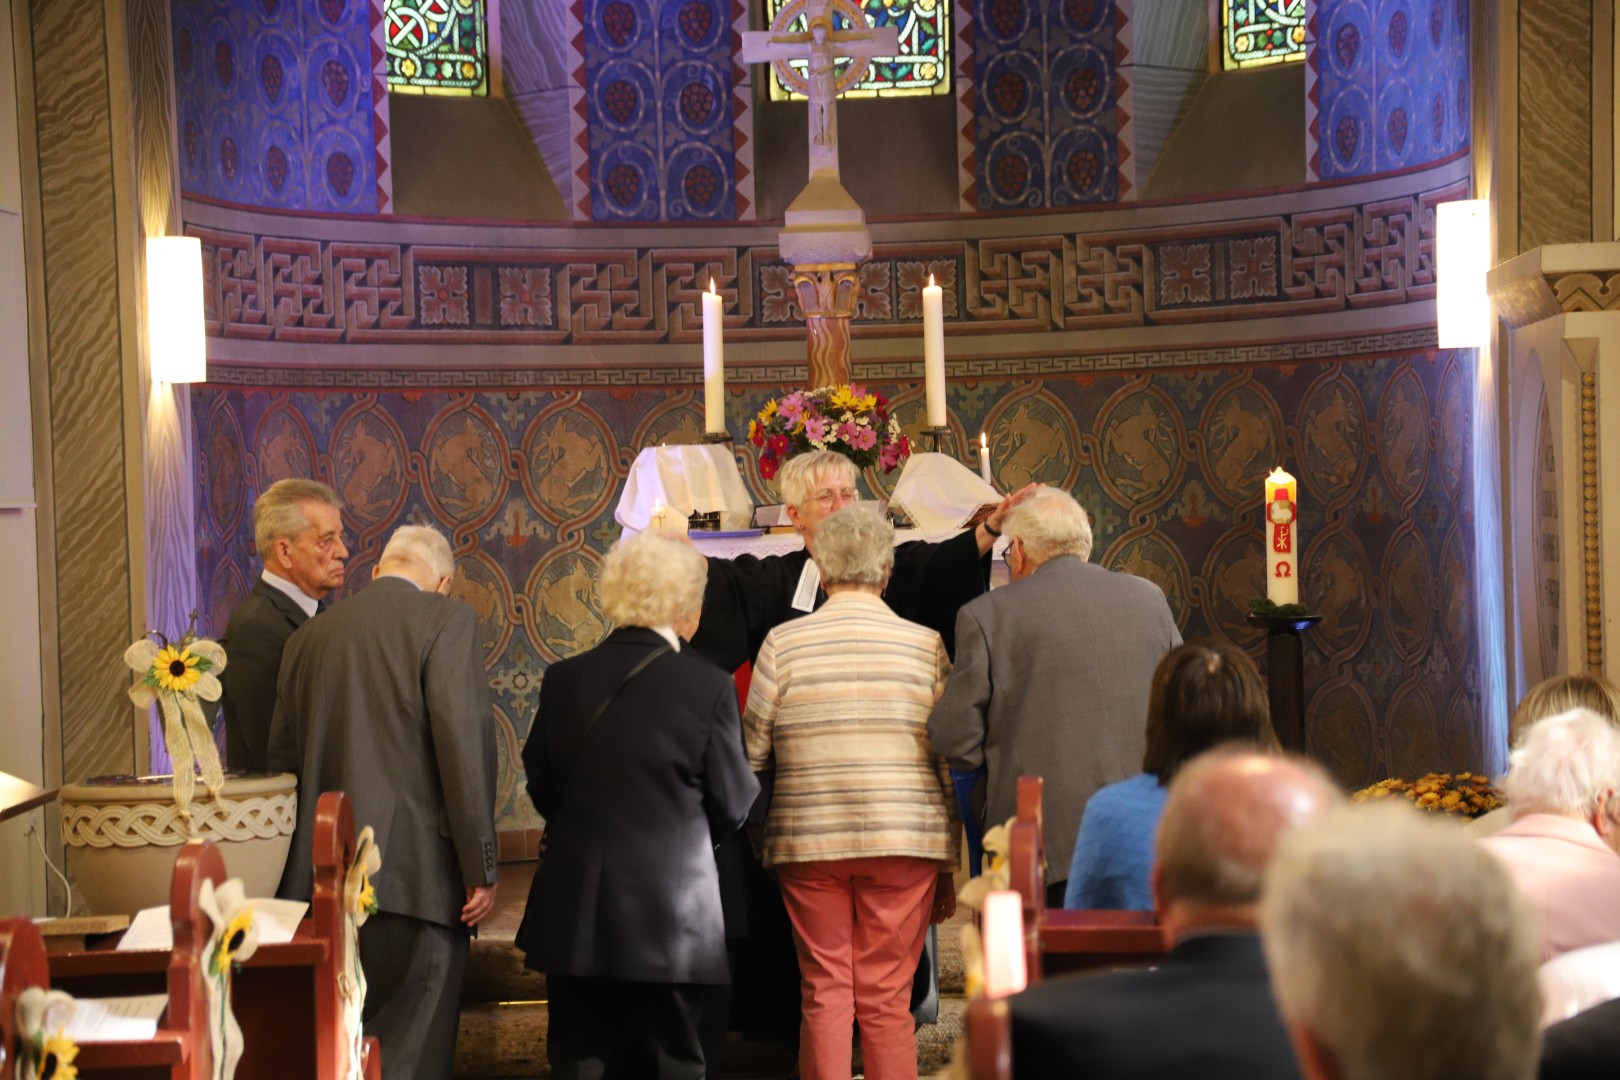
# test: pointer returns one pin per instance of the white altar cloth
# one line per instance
(940, 493)
(688, 480)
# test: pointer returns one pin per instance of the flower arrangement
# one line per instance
(174, 675)
(1465, 794)
(845, 419)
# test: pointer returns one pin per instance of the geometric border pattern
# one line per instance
(344, 291)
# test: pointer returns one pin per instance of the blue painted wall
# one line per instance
(275, 102)
(1393, 83)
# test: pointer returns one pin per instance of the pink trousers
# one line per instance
(859, 925)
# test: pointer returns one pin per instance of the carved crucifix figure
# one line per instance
(825, 237)
(822, 45)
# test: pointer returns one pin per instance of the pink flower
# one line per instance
(791, 407)
(889, 456)
(861, 438)
(846, 432)
(815, 428)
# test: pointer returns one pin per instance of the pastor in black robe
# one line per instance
(748, 597)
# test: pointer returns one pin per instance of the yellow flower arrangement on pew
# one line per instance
(1463, 794)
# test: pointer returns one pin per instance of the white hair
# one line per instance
(422, 548)
(854, 546)
(280, 514)
(802, 474)
(1402, 948)
(651, 580)
(1562, 764)
(1050, 523)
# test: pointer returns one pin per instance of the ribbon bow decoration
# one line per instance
(175, 676)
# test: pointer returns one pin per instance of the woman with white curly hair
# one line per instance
(635, 760)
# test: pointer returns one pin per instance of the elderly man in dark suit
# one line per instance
(1207, 1010)
(1052, 674)
(384, 697)
(298, 530)
(636, 761)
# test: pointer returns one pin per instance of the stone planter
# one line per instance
(122, 835)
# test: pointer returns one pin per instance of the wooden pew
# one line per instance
(1058, 940)
(1055, 941)
(180, 1050)
(285, 997)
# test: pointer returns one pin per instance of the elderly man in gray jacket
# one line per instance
(1052, 674)
(384, 697)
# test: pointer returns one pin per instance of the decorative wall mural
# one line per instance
(658, 93)
(277, 105)
(1391, 84)
(1045, 126)
(1168, 463)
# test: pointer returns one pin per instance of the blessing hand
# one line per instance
(998, 517)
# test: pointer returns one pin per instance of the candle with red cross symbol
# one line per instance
(1282, 538)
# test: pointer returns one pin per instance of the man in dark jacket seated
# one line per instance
(1206, 1010)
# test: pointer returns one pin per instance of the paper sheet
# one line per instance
(277, 920)
(116, 1019)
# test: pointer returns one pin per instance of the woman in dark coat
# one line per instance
(635, 760)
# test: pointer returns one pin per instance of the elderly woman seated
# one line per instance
(1563, 784)
(1550, 697)
(1200, 698)
(635, 760)
(861, 831)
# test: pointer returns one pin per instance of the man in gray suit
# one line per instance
(384, 697)
(1052, 674)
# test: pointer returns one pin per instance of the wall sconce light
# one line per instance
(1462, 255)
(174, 309)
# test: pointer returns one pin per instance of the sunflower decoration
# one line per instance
(235, 937)
(44, 1056)
(359, 893)
(175, 675)
(232, 940)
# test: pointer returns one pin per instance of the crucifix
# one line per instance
(825, 236)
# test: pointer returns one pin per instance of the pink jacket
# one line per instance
(1569, 875)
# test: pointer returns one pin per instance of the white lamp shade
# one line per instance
(1462, 256)
(174, 309)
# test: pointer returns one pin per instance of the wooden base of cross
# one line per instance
(827, 294)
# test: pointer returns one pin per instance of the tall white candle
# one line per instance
(934, 352)
(714, 365)
(1004, 968)
(984, 458)
(1282, 538)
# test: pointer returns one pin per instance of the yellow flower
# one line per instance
(867, 403)
(368, 897)
(175, 669)
(56, 1059)
(231, 941)
(768, 411)
(843, 398)
(753, 430)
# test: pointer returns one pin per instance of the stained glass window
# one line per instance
(437, 46)
(1256, 32)
(924, 63)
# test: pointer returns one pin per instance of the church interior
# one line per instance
(463, 288)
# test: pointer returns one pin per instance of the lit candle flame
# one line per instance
(711, 285)
(930, 281)
(984, 440)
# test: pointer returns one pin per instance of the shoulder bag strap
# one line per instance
(641, 665)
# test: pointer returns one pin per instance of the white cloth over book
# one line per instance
(939, 493)
(688, 480)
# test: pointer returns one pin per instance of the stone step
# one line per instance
(508, 1040)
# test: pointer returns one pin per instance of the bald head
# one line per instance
(1222, 820)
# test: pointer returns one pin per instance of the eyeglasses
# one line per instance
(827, 498)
